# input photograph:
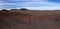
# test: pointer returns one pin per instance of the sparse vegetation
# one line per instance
(29, 19)
(29, 28)
(57, 20)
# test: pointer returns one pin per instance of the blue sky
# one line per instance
(30, 4)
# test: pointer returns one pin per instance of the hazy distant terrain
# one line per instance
(30, 19)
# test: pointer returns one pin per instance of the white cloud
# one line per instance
(18, 0)
(32, 4)
(43, 8)
(39, 3)
(38, 0)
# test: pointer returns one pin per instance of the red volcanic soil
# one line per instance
(15, 20)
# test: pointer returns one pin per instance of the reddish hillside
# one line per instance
(15, 20)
